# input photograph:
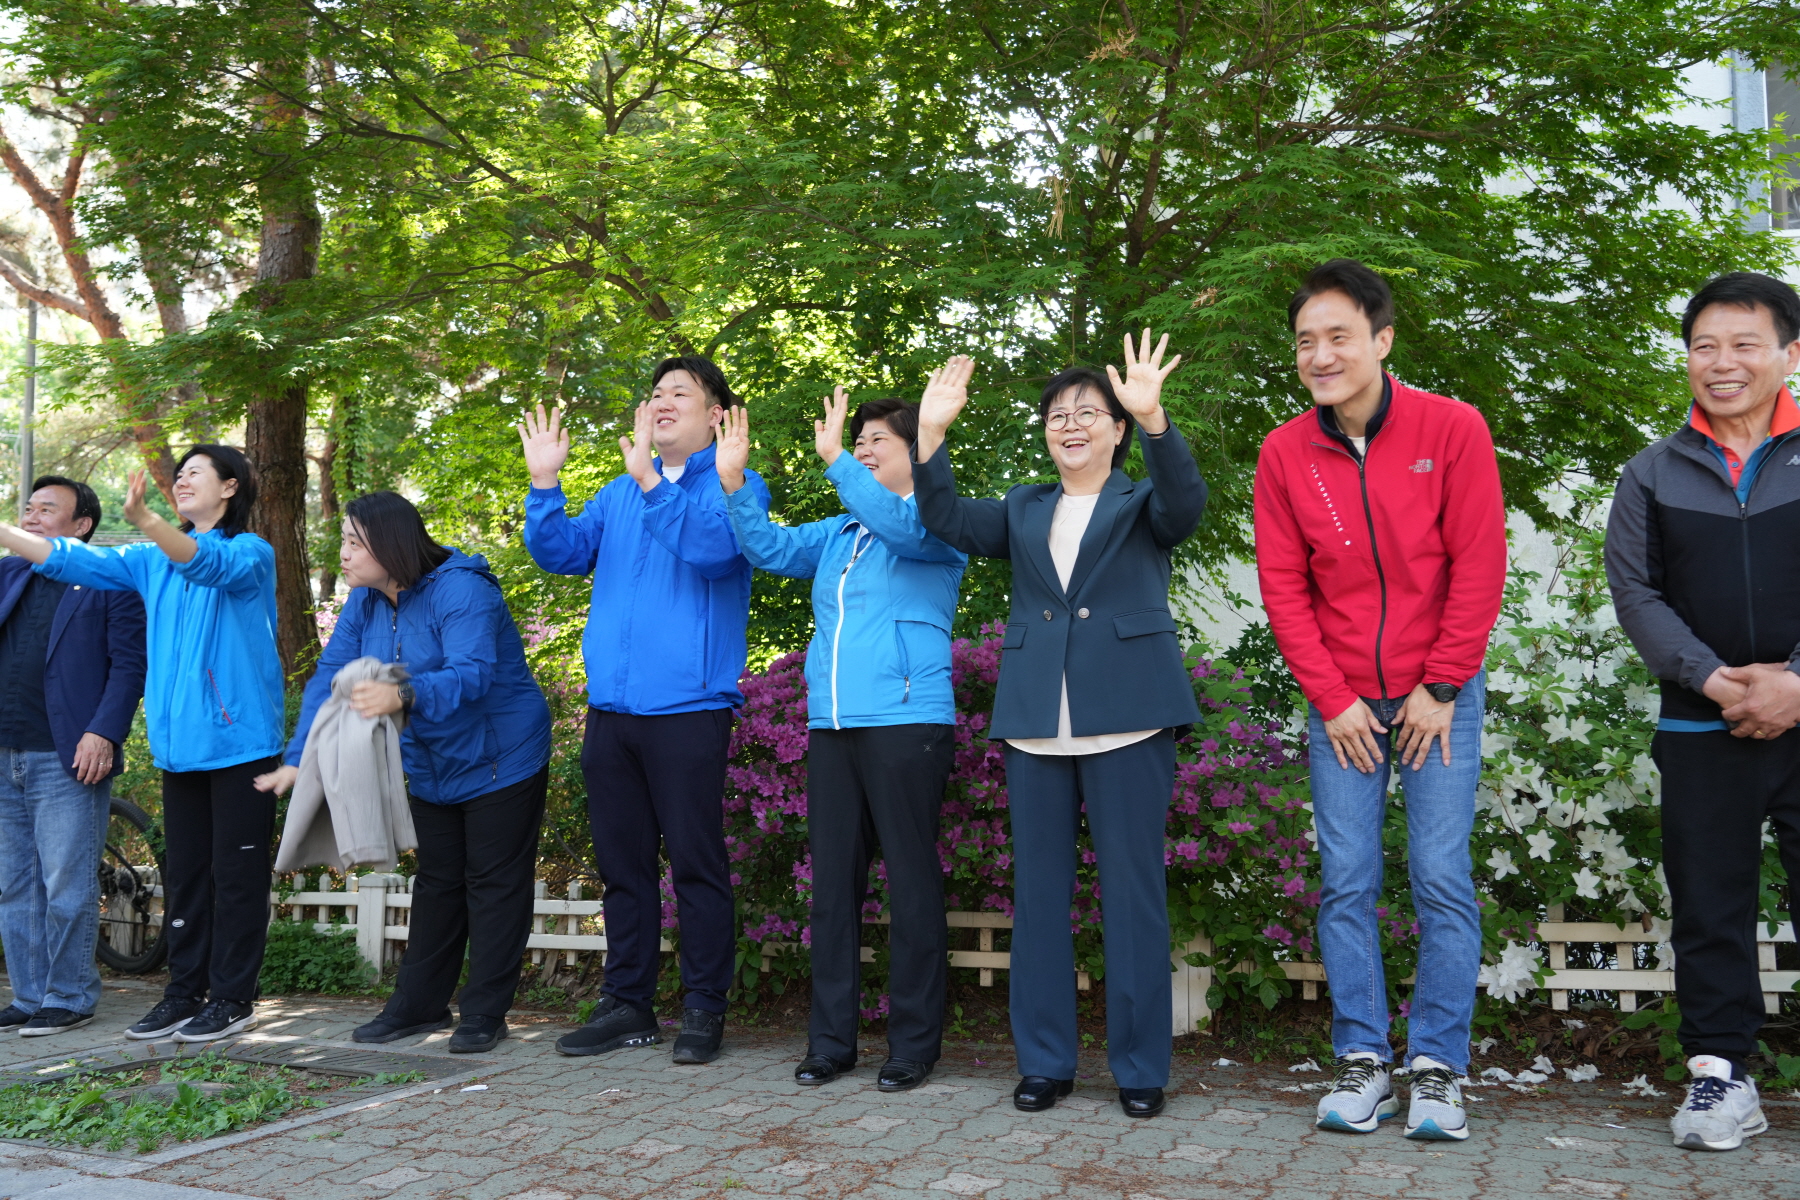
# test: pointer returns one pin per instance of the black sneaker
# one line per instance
(387, 1028)
(12, 1016)
(701, 1033)
(614, 1025)
(54, 1020)
(219, 1019)
(476, 1035)
(170, 1014)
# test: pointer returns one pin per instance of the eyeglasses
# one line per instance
(1059, 419)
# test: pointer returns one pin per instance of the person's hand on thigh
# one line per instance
(1353, 735)
(1422, 718)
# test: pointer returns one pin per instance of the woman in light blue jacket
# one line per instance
(882, 718)
(213, 708)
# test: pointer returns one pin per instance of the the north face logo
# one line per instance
(1420, 467)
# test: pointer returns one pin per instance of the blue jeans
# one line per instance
(52, 829)
(1349, 809)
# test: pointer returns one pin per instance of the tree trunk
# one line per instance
(328, 508)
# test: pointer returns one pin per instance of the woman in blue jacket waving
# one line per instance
(881, 723)
(476, 748)
(213, 708)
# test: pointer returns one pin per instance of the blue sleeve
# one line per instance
(241, 565)
(694, 527)
(108, 568)
(893, 520)
(779, 549)
(344, 648)
(466, 611)
(124, 668)
(557, 542)
(973, 526)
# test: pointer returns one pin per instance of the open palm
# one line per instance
(546, 445)
(732, 454)
(1141, 389)
(946, 393)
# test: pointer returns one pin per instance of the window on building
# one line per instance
(1784, 114)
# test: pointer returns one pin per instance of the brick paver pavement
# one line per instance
(632, 1124)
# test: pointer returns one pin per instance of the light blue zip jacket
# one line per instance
(671, 599)
(213, 691)
(479, 721)
(884, 597)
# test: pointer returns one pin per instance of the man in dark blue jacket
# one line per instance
(71, 675)
(663, 649)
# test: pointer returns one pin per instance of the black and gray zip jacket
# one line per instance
(1701, 576)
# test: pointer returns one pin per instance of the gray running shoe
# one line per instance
(1435, 1113)
(1719, 1112)
(1361, 1095)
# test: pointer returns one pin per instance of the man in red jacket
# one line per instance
(1381, 552)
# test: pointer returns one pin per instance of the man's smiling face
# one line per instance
(1337, 354)
(682, 414)
(1736, 361)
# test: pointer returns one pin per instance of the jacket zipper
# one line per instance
(837, 634)
(1744, 540)
(1362, 481)
(219, 696)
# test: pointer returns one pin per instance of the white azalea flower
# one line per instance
(1514, 975)
(1501, 863)
(1587, 884)
(1542, 843)
(1585, 1073)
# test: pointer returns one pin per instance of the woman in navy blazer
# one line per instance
(1092, 686)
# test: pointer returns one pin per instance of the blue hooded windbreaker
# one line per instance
(665, 628)
(479, 721)
(213, 691)
(884, 598)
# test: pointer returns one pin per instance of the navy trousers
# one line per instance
(656, 783)
(1125, 794)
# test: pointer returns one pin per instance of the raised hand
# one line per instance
(136, 511)
(945, 394)
(1141, 389)
(546, 446)
(828, 434)
(637, 449)
(733, 452)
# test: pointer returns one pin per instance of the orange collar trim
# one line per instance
(1786, 418)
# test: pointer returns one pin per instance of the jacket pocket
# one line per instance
(1015, 636)
(1149, 620)
(221, 712)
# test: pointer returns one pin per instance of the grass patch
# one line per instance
(210, 1096)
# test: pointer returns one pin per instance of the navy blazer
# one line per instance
(1111, 633)
(94, 667)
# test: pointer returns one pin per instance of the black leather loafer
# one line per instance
(816, 1069)
(902, 1075)
(1035, 1093)
(1141, 1102)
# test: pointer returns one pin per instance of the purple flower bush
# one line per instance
(1241, 866)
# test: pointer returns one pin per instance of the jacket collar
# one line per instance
(1038, 518)
(1786, 418)
(699, 460)
(1328, 417)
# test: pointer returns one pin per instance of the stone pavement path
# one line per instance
(631, 1125)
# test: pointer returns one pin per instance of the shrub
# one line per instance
(300, 958)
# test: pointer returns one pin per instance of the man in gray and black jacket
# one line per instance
(1701, 553)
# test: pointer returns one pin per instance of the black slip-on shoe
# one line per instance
(902, 1075)
(816, 1069)
(1036, 1093)
(12, 1016)
(701, 1034)
(219, 1019)
(386, 1028)
(477, 1035)
(615, 1025)
(54, 1020)
(170, 1014)
(1141, 1102)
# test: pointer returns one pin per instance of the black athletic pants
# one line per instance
(881, 786)
(1717, 790)
(217, 828)
(656, 782)
(473, 892)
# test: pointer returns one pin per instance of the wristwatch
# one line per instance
(1443, 693)
(407, 696)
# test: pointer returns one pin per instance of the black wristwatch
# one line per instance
(407, 696)
(1443, 693)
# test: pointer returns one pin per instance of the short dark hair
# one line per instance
(86, 503)
(706, 371)
(395, 534)
(1747, 289)
(1369, 290)
(228, 463)
(1083, 379)
(897, 415)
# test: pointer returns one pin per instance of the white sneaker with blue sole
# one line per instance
(1361, 1095)
(1435, 1113)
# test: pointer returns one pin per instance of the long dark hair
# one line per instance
(394, 532)
(228, 462)
(1086, 379)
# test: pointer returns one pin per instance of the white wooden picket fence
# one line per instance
(378, 907)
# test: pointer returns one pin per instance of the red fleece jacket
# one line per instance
(1381, 577)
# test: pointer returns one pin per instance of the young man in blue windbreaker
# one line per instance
(664, 648)
(881, 717)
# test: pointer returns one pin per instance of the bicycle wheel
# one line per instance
(131, 934)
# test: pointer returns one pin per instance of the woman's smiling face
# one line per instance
(1080, 448)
